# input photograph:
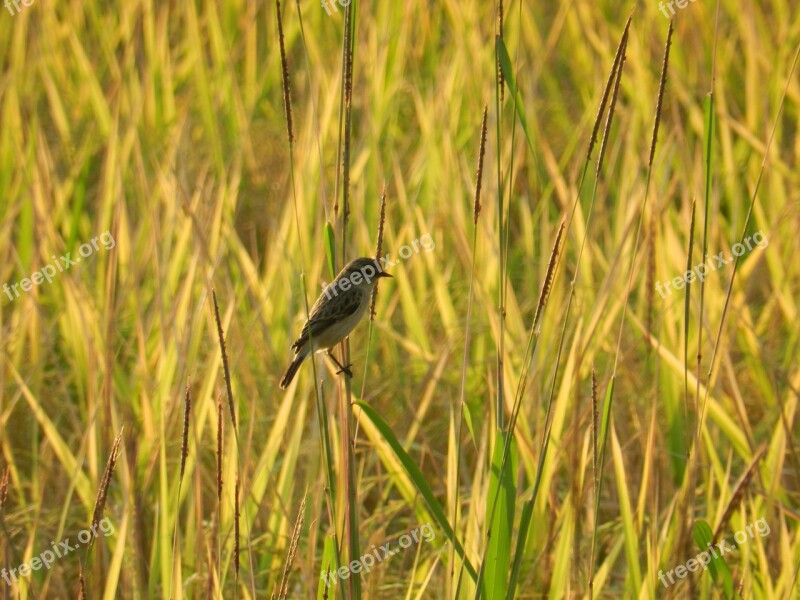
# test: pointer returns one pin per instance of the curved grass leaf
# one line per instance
(330, 245)
(498, 556)
(703, 537)
(419, 482)
(508, 73)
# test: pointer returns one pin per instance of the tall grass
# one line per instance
(245, 147)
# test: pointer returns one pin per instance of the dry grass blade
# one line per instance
(738, 492)
(774, 128)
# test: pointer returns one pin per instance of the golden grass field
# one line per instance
(528, 417)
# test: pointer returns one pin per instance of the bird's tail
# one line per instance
(292, 370)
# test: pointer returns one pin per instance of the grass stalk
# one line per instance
(322, 417)
(187, 411)
(552, 270)
(501, 224)
(346, 416)
(476, 211)
(632, 264)
(283, 588)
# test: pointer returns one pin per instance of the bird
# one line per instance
(337, 311)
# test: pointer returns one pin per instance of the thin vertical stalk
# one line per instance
(346, 416)
(632, 265)
(476, 211)
(500, 402)
(687, 504)
(322, 415)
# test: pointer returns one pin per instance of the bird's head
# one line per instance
(368, 269)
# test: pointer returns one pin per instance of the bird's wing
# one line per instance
(327, 311)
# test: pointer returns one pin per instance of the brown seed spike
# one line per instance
(287, 93)
(225, 369)
(661, 87)
(81, 584)
(283, 590)
(611, 78)
(548, 279)
(187, 409)
(500, 79)
(347, 83)
(378, 251)
(3, 490)
(102, 492)
(476, 209)
(615, 95)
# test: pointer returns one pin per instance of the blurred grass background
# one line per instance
(163, 124)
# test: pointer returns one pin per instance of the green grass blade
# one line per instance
(719, 569)
(498, 556)
(508, 73)
(519, 551)
(330, 245)
(419, 482)
(604, 432)
(327, 570)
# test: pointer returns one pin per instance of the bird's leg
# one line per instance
(342, 369)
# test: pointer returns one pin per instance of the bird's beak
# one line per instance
(383, 274)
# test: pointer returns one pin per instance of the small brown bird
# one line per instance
(336, 313)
